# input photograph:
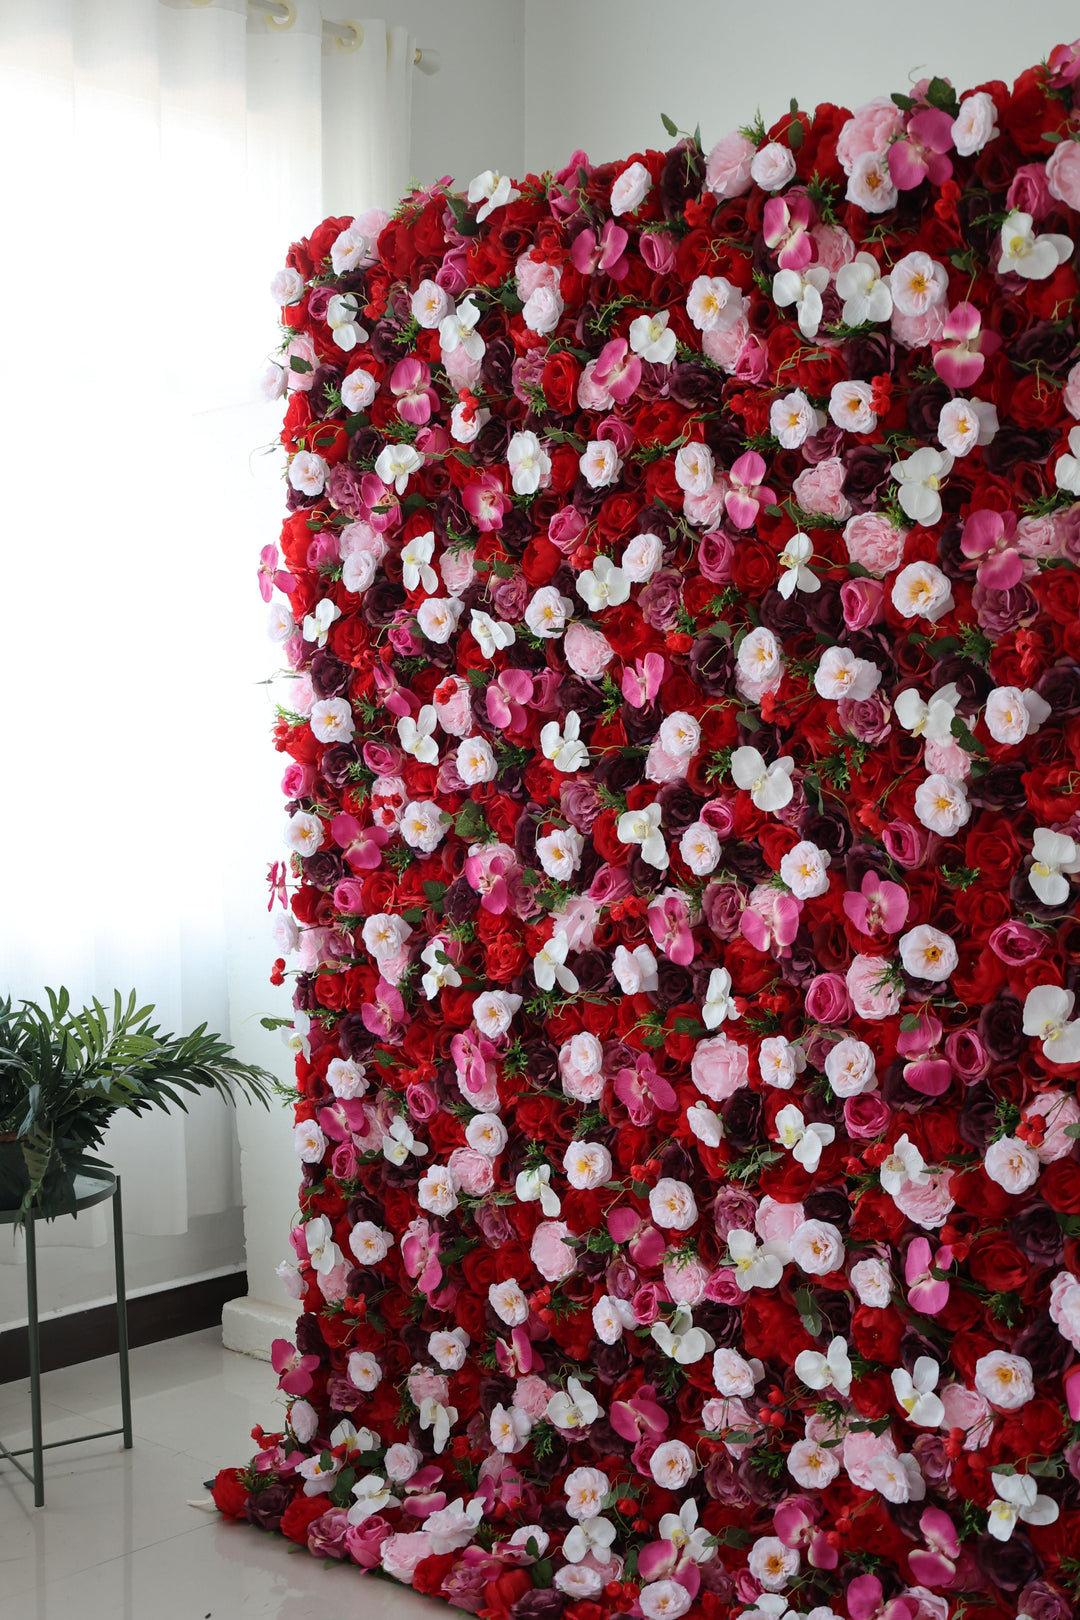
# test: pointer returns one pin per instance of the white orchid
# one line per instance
(416, 569)
(416, 736)
(1048, 1016)
(399, 1142)
(1017, 1498)
(706, 1125)
(865, 291)
(769, 786)
(681, 1340)
(833, 1369)
(1027, 255)
(931, 718)
(573, 1407)
(341, 313)
(529, 463)
(440, 969)
(492, 189)
(915, 1392)
(593, 1536)
(804, 1142)
(642, 827)
(795, 562)
(652, 338)
(686, 1535)
(803, 288)
(396, 465)
(549, 966)
(323, 1252)
(756, 1265)
(603, 585)
(439, 1419)
(919, 478)
(903, 1163)
(534, 1187)
(1052, 855)
(1067, 467)
(564, 748)
(458, 331)
(719, 1003)
(491, 635)
(317, 624)
(373, 1495)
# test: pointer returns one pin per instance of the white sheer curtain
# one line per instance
(159, 155)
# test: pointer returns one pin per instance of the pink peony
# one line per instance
(820, 489)
(720, 1067)
(874, 542)
(549, 1252)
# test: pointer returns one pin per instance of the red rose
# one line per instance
(229, 1493)
(876, 1334)
(430, 1573)
(997, 1263)
(559, 381)
(1059, 1184)
(301, 1512)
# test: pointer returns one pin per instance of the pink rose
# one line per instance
(549, 1253)
(425, 1384)
(873, 995)
(727, 168)
(453, 705)
(866, 1116)
(874, 543)
(658, 252)
(965, 1409)
(820, 489)
(725, 348)
(1039, 537)
(715, 553)
(834, 246)
(646, 1303)
(686, 1282)
(776, 1222)
(1028, 191)
(720, 1067)
(402, 1553)
(827, 999)
(869, 130)
(863, 602)
(363, 1542)
(1063, 173)
(927, 1205)
(473, 1172)
(588, 652)
(1057, 1110)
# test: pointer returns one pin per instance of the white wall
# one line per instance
(600, 72)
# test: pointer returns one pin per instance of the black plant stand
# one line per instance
(89, 1190)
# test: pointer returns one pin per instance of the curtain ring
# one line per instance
(282, 23)
(340, 34)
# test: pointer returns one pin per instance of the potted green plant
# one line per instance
(64, 1074)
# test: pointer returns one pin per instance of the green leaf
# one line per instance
(905, 103)
(298, 364)
(1072, 1130)
(1052, 136)
(795, 135)
(434, 892)
(669, 124)
(910, 1023)
(941, 94)
(469, 822)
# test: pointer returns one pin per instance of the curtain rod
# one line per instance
(347, 36)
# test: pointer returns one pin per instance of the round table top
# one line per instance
(89, 1190)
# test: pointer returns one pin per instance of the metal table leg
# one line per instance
(35, 1363)
(121, 1314)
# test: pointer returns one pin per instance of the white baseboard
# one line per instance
(250, 1325)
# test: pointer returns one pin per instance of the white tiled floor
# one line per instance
(116, 1540)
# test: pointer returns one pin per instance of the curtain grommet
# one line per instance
(278, 22)
(344, 41)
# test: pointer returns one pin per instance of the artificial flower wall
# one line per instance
(679, 591)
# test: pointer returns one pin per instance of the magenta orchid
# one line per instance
(271, 576)
(988, 539)
(294, 1370)
(786, 226)
(410, 383)
(747, 494)
(506, 698)
(617, 371)
(926, 1294)
(669, 924)
(486, 502)
(960, 353)
(644, 1093)
(602, 253)
(771, 921)
(797, 1523)
(642, 681)
(879, 907)
(362, 846)
(919, 154)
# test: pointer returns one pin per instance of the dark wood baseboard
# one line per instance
(85, 1335)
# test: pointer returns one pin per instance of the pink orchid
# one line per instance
(617, 370)
(935, 1564)
(960, 353)
(638, 1416)
(646, 1243)
(382, 508)
(486, 876)
(270, 574)
(771, 920)
(486, 502)
(506, 698)
(474, 1058)
(866, 1601)
(747, 495)
(410, 381)
(663, 1560)
(643, 1092)
(420, 1254)
(276, 878)
(988, 536)
(601, 255)
(340, 1118)
(669, 924)
(795, 1521)
(920, 152)
(1064, 64)
(1071, 1382)
(421, 1495)
(926, 1294)
(786, 225)
(396, 700)
(517, 1357)
(361, 846)
(385, 1016)
(641, 684)
(880, 907)
(294, 1370)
